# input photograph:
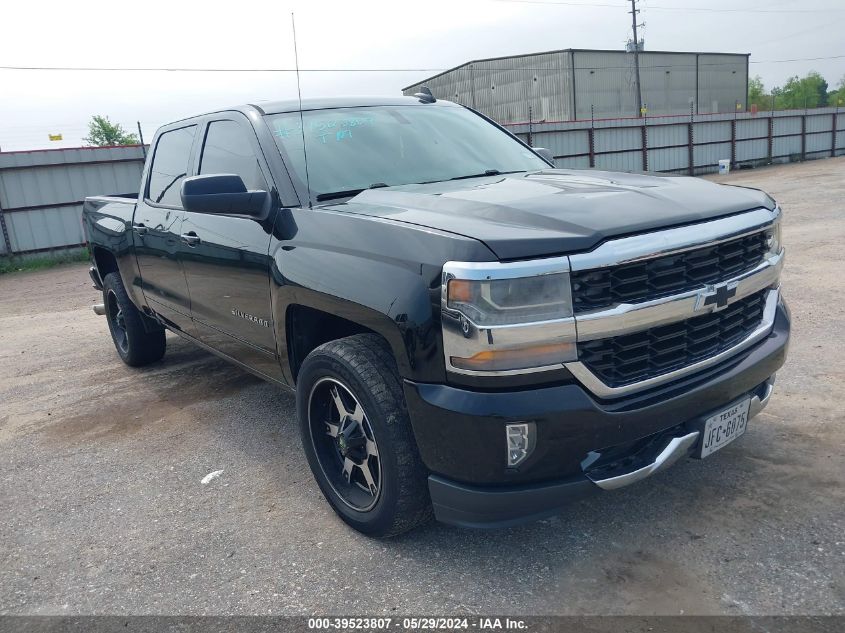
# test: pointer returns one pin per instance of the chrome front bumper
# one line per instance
(676, 448)
(758, 403)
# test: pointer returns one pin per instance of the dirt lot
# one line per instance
(103, 509)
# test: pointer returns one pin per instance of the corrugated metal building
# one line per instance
(579, 84)
(41, 193)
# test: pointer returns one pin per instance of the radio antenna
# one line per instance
(301, 120)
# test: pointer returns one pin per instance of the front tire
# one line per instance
(135, 343)
(357, 436)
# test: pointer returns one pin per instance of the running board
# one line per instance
(99, 308)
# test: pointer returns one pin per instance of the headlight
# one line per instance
(501, 318)
(774, 238)
(511, 301)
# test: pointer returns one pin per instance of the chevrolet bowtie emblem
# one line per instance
(715, 297)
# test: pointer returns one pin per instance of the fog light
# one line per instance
(520, 441)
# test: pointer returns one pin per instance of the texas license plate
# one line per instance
(724, 427)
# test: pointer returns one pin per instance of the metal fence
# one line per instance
(42, 191)
(693, 143)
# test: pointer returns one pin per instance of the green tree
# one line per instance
(806, 92)
(757, 93)
(103, 133)
(837, 97)
(818, 84)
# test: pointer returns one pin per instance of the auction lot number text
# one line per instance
(415, 624)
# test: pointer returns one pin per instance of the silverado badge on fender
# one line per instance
(250, 317)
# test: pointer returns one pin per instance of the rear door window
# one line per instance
(170, 166)
(227, 150)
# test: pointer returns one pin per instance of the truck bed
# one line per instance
(119, 207)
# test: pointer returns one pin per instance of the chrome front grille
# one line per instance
(667, 275)
(655, 307)
(644, 355)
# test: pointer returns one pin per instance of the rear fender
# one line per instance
(109, 229)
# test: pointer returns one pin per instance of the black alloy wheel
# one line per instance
(357, 436)
(344, 443)
(117, 321)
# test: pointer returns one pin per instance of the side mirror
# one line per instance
(222, 194)
(546, 154)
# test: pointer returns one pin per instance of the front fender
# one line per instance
(388, 299)
(382, 275)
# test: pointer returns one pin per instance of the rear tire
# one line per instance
(357, 436)
(135, 344)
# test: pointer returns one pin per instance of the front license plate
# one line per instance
(724, 427)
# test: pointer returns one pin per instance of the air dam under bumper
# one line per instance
(461, 436)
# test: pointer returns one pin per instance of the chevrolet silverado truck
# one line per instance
(471, 333)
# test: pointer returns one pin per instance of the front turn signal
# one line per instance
(519, 358)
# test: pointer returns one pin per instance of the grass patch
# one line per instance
(20, 264)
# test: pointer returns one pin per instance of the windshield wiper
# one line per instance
(349, 193)
(488, 172)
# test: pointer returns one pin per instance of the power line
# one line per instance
(797, 33)
(399, 70)
(658, 7)
(797, 59)
(653, 7)
(225, 70)
(570, 4)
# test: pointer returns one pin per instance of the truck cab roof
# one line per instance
(319, 103)
(292, 105)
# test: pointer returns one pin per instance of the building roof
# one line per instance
(567, 50)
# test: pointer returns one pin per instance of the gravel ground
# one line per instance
(103, 509)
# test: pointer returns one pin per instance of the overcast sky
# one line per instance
(397, 34)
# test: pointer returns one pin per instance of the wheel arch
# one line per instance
(393, 294)
(307, 327)
(104, 261)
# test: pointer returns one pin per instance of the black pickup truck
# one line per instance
(471, 333)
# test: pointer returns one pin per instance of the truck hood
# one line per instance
(555, 211)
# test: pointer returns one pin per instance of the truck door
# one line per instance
(225, 258)
(157, 227)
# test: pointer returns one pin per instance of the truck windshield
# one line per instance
(352, 149)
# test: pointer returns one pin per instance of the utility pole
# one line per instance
(141, 136)
(634, 11)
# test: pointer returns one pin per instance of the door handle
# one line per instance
(191, 239)
(139, 228)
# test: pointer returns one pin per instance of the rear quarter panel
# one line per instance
(108, 224)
